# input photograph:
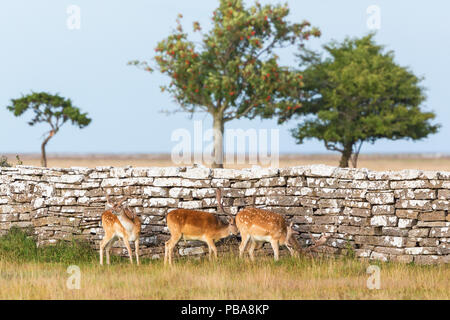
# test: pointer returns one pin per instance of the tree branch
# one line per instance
(332, 147)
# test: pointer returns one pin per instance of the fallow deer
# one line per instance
(118, 221)
(197, 225)
(260, 226)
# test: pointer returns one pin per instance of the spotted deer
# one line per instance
(260, 226)
(119, 221)
(197, 225)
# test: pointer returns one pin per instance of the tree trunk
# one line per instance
(43, 154)
(356, 154)
(218, 127)
(346, 155)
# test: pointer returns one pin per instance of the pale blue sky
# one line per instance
(39, 53)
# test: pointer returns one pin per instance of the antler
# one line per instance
(122, 201)
(131, 214)
(317, 243)
(219, 199)
(219, 202)
(108, 200)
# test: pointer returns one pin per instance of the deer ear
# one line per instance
(121, 202)
(289, 227)
(108, 206)
(290, 230)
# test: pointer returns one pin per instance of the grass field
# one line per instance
(227, 278)
(373, 162)
(28, 272)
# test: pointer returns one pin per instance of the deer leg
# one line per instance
(127, 244)
(244, 241)
(209, 251)
(136, 250)
(275, 247)
(103, 244)
(166, 249)
(255, 245)
(291, 251)
(108, 249)
(251, 249)
(211, 247)
(170, 244)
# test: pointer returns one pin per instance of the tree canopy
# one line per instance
(234, 72)
(358, 94)
(51, 109)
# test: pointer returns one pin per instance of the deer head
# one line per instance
(116, 207)
(232, 228)
(291, 240)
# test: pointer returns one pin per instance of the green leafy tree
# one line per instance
(50, 109)
(233, 72)
(358, 94)
(4, 162)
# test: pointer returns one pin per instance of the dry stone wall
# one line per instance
(399, 216)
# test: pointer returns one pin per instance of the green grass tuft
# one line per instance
(4, 162)
(18, 245)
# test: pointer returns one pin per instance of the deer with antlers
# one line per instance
(260, 226)
(197, 225)
(119, 221)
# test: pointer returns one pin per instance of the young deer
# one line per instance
(197, 225)
(259, 226)
(119, 222)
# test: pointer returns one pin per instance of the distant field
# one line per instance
(373, 162)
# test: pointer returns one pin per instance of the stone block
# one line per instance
(432, 216)
(384, 221)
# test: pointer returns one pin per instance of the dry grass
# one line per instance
(373, 162)
(227, 278)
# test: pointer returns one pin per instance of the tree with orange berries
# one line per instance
(234, 72)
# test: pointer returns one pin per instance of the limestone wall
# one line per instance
(401, 216)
